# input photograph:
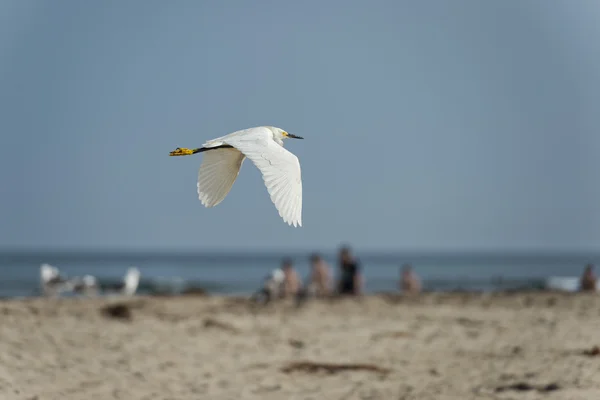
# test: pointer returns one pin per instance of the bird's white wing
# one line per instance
(280, 170)
(217, 173)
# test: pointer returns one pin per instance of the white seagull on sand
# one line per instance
(52, 282)
(128, 286)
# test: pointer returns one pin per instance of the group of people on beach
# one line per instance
(285, 281)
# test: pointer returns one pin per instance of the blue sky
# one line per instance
(428, 125)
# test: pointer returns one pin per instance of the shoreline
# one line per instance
(200, 292)
(535, 285)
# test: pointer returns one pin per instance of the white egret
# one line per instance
(263, 145)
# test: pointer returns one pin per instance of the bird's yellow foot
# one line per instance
(181, 152)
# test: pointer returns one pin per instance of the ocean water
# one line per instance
(238, 273)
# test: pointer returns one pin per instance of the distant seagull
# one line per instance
(272, 287)
(263, 145)
(86, 285)
(129, 285)
(52, 282)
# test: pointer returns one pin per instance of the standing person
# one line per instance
(350, 282)
(588, 279)
(319, 282)
(291, 282)
(409, 281)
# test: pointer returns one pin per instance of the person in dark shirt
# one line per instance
(350, 282)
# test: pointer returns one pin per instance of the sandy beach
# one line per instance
(434, 346)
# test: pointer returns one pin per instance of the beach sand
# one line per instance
(434, 346)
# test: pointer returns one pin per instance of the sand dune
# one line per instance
(453, 346)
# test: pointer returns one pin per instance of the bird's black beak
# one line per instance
(294, 136)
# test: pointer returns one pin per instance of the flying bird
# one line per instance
(263, 145)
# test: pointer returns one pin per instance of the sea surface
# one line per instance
(243, 273)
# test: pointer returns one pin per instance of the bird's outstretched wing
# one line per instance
(217, 173)
(280, 170)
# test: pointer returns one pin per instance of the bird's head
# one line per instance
(279, 134)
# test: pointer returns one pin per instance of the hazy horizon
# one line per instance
(305, 252)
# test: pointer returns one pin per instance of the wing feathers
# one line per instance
(280, 170)
(217, 173)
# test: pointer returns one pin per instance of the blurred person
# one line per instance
(291, 282)
(319, 281)
(588, 279)
(350, 282)
(409, 281)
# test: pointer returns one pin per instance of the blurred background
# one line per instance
(458, 136)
